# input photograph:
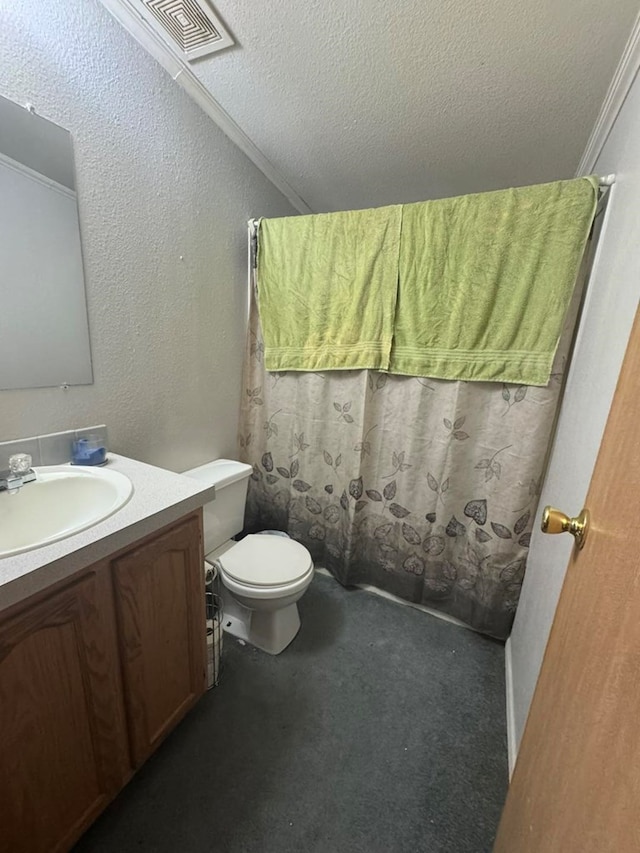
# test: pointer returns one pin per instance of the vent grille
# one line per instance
(191, 25)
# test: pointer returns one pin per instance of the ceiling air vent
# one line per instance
(190, 25)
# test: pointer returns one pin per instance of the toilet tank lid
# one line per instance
(220, 472)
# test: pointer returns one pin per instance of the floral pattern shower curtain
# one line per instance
(425, 488)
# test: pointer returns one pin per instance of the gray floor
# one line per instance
(380, 729)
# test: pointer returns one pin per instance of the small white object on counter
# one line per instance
(159, 498)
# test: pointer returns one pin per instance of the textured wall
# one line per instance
(157, 181)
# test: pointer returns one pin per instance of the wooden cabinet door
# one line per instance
(63, 748)
(159, 591)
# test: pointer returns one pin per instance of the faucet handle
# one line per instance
(20, 463)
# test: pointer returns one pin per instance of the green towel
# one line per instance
(327, 287)
(485, 281)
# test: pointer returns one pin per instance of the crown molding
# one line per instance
(621, 83)
(125, 12)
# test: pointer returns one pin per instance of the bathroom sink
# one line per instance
(61, 501)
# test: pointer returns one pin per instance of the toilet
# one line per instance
(264, 575)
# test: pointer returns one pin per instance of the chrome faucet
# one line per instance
(18, 473)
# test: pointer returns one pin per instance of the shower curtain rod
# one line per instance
(604, 182)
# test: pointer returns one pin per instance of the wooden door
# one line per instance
(576, 784)
(63, 747)
(159, 590)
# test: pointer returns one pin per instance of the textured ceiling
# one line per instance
(368, 102)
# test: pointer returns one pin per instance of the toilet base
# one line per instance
(268, 630)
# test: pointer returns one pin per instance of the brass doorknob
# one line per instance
(554, 521)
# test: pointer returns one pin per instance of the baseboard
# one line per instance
(512, 746)
(402, 601)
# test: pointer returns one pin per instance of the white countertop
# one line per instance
(159, 498)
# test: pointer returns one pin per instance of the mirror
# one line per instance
(44, 332)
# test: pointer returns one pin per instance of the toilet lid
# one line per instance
(265, 560)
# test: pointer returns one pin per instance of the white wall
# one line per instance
(604, 331)
(164, 197)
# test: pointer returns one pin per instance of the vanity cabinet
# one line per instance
(63, 746)
(93, 674)
(160, 608)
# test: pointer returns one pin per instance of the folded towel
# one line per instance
(327, 287)
(485, 281)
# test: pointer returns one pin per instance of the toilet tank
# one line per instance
(224, 516)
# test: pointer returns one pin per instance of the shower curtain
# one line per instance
(425, 488)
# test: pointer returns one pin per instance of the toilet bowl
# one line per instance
(263, 575)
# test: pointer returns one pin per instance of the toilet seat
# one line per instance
(266, 561)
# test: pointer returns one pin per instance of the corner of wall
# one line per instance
(623, 79)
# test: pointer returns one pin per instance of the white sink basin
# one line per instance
(61, 501)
